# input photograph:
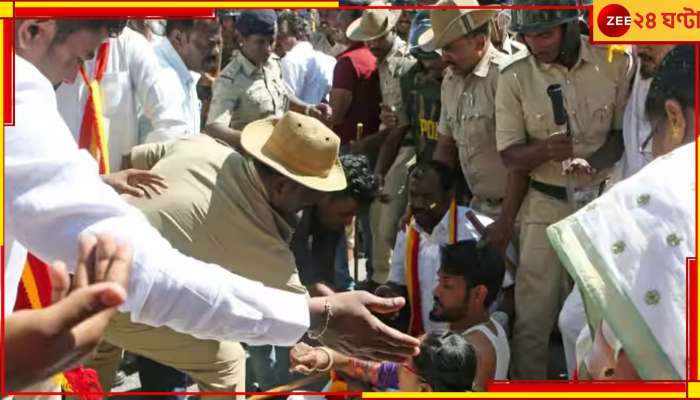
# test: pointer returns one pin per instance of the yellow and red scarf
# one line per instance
(415, 326)
(93, 136)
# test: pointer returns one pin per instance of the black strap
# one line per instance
(558, 192)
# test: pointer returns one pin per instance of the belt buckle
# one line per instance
(585, 195)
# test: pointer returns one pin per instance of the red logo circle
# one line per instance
(614, 20)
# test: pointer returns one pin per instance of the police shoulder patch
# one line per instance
(512, 59)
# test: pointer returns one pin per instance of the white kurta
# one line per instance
(133, 86)
(53, 194)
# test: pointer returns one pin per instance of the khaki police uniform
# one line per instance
(468, 117)
(384, 217)
(244, 93)
(595, 92)
(216, 209)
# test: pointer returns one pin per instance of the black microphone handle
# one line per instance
(555, 96)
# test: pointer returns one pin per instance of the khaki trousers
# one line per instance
(385, 217)
(214, 366)
(541, 286)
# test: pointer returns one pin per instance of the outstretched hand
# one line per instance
(136, 182)
(42, 342)
(354, 330)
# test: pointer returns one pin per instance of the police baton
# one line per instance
(356, 227)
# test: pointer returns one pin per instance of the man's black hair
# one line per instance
(291, 22)
(674, 79)
(444, 173)
(477, 262)
(66, 27)
(362, 184)
(182, 25)
(447, 362)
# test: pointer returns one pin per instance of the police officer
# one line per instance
(376, 29)
(467, 124)
(251, 87)
(594, 92)
(420, 93)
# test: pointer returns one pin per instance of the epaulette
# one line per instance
(521, 55)
(231, 69)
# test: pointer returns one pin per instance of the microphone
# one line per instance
(555, 96)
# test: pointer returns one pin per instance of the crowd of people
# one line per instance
(203, 195)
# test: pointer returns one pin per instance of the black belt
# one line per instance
(558, 192)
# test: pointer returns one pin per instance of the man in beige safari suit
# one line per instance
(376, 29)
(594, 92)
(237, 212)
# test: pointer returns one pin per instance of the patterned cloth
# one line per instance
(632, 272)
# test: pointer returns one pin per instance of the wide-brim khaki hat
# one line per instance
(298, 147)
(374, 23)
(449, 24)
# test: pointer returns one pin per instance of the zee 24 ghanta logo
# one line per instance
(614, 20)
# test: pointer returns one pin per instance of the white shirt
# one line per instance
(429, 259)
(132, 84)
(501, 348)
(636, 128)
(54, 194)
(175, 70)
(309, 73)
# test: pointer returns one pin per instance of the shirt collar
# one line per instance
(353, 46)
(442, 225)
(399, 49)
(248, 67)
(482, 68)
(170, 55)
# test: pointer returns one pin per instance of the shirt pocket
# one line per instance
(259, 103)
(115, 89)
(538, 122)
(601, 107)
(478, 126)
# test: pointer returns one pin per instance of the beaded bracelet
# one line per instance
(329, 313)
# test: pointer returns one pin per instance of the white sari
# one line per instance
(627, 253)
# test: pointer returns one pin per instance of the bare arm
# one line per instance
(446, 151)
(320, 289)
(524, 157)
(516, 189)
(609, 153)
(365, 371)
(222, 132)
(340, 100)
(388, 150)
(500, 232)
